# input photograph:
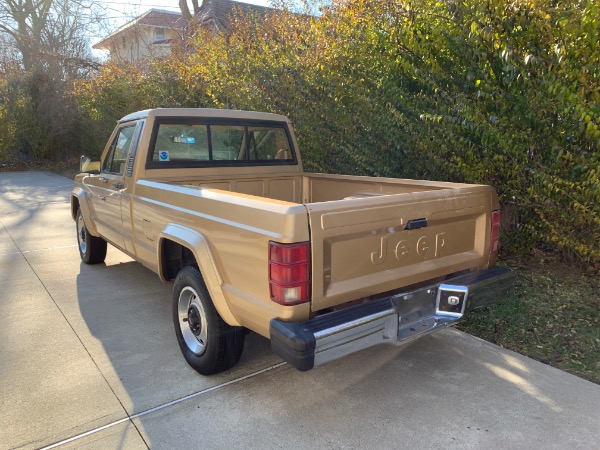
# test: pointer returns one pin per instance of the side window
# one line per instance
(134, 146)
(117, 155)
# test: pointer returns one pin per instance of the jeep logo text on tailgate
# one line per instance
(401, 249)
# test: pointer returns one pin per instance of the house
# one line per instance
(152, 33)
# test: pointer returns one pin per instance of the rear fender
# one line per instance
(197, 243)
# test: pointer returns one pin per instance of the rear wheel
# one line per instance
(92, 249)
(208, 344)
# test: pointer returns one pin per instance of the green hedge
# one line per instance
(490, 92)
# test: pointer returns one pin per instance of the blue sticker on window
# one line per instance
(163, 155)
(184, 140)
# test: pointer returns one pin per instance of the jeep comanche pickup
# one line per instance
(217, 202)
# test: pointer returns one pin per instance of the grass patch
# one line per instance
(553, 317)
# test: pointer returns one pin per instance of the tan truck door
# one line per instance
(107, 187)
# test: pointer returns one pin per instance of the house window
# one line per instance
(123, 41)
(160, 34)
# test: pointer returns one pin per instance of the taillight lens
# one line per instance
(288, 253)
(495, 232)
(289, 273)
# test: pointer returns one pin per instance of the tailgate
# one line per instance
(362, 247)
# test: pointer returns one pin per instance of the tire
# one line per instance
(92, 249)
(208, 344)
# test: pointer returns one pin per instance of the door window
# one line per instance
(117, 155)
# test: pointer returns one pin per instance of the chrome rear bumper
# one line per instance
(393, 320)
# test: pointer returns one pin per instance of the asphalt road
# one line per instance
(88, 359)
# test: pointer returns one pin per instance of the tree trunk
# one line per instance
(185, 10)
(196, 7)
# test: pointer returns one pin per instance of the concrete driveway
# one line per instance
(88, 358)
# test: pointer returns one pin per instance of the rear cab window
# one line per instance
(185, 142)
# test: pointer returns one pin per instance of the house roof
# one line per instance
(221, 11)
(152, 18)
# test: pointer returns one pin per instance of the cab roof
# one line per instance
(203, 112)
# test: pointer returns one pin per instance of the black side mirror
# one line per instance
(89, 164)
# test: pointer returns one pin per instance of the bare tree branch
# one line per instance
(50, 27)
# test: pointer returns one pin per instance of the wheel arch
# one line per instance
(79, 202)
(177, 238)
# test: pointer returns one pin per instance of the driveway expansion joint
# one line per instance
(132, 417)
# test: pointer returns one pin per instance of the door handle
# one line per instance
(103, 179)
(118, 185)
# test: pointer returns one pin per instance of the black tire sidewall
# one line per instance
(95, 249)
(212, 360)
(85, 256)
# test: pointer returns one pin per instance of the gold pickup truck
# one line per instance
(217, 202)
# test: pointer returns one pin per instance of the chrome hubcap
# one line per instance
(192, 320)
(81, 234)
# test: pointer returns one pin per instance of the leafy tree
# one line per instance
(483, 92)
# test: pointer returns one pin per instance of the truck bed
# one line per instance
(373, 235)
(312, 188)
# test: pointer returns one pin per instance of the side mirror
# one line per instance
(89, 164)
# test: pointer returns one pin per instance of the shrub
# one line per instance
(480, 92)
(38, 118)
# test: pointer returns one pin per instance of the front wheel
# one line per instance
(208, 344)
(92, 249)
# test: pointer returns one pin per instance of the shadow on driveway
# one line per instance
(472, 393)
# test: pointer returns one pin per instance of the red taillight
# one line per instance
(495, 232)
(289, 272)
(288, 253)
